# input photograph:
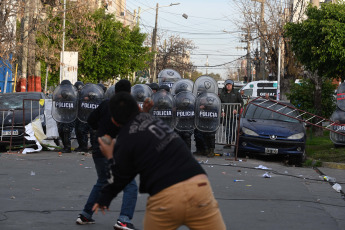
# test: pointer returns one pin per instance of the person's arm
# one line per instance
(121, 173)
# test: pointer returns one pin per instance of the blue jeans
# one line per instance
(130, 193)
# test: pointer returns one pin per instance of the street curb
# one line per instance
(333, 165)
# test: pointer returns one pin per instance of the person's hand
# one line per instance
(106, 145)
(96, 206)
(147, 105)
(234, 111)
(223, 114)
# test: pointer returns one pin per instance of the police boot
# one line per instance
(66, 143)
(210, 153)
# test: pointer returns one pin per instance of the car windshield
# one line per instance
(15, 101)
(255, 112)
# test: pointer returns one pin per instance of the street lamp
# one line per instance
(62, 66)
(154, 39)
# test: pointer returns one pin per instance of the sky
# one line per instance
(211, 25)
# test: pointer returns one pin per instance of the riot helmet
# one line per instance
(79, 85)
(168, 77)
(110, 92)
(229, 81)
(102, 86)
(154, 86)
(181, 86)
(65, 82)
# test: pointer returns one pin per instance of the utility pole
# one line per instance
(247, 39)
(249, 61)
(62, 64)
(154, 47)
(25, 44)
(262, 41)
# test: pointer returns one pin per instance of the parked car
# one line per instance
(14, 102)
(265, 132)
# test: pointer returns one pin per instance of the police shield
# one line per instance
(205, 84)
(110, 92)
(338, 117)
(182, 85)
(91, 95)
(65, 103)
(341, 96)
(140, 92)
(163, 105)
(168, 77)
(207, 112)
(185, 111)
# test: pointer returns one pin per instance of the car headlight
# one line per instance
(249, 132)
(296, 136)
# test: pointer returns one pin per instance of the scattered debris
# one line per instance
(266, 175)
(32, 173)
(262, 167)
(337, 187)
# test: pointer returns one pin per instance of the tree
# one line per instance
(173, 52)
(318, 44)
(319, 41)
(106, 48)
(269, 30)
(8, 14)
(300, 97)
(119, 51)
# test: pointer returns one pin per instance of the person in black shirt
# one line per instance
(168, 172)
(100, 120)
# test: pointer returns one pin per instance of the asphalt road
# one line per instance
(44, 191)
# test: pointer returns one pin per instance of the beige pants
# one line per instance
(189, 203)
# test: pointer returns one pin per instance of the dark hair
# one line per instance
(154, 86)
(165, 87)
(123, 107)
(123, 86)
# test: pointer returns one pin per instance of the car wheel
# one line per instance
(299, 159)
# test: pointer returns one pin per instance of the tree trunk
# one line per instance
(317, 101)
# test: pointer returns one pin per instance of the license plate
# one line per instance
(8, 133)
(271, 151)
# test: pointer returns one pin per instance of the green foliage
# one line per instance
(321, 149)
(302, 96)
(106, 48)
(118, 50)
(319, 41)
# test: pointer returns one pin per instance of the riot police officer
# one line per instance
(65, 112)
(90, 96)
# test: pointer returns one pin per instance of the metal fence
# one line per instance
(227, 132)
(33, 109)
(7, 131)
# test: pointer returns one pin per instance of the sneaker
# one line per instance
(83, 220)
(124, 226)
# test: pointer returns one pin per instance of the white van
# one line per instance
(260, 88)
